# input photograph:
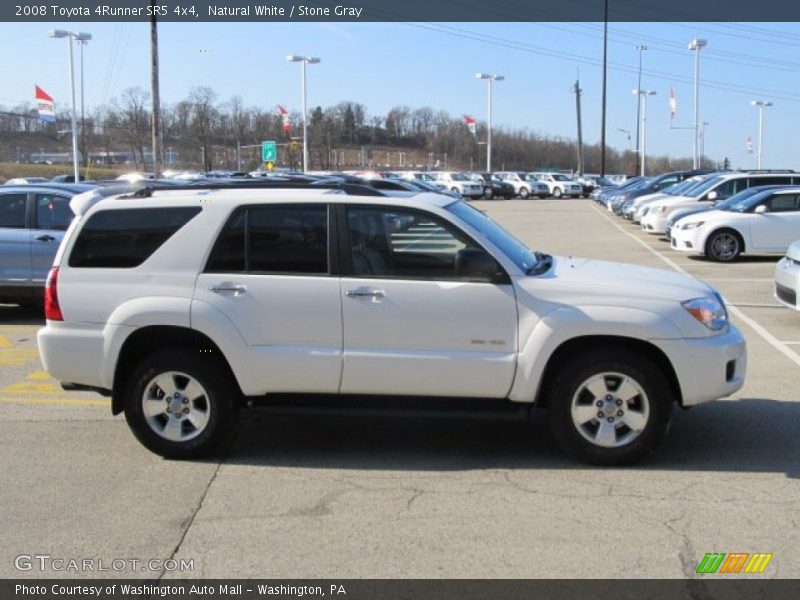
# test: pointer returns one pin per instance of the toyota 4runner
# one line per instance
(183, 305)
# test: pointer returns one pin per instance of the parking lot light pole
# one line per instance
(640, 48)
(303, 60)
(643, 94)
(761, 104)
(696, 45)
(71, 35)
(490, 78)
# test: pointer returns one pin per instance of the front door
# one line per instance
(411, 326)
(15, 254)
(779, 227)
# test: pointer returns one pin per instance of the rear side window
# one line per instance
(123, 239)
(273, 239)
(12, 210)
(53, 212)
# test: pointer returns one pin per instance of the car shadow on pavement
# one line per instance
(739, 260)
(11, 314)
(747, 435)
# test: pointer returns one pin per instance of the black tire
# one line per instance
(557, 193)
(488, 194)
(524, 193)
(222, 399)
(455, 190)
(578, 370)
(724, 245)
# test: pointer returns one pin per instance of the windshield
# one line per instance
(602, 181)
(706, 185)
(516, 251)
(743, 201)
(676, 189)
(458, 177)
(560, 177)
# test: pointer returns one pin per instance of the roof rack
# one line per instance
(352, 189)
(770, 171)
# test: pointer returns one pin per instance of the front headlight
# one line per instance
(693, 225)
(711, 312)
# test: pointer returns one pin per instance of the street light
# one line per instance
(490, 78)
(303, 60)
(81, 37)
(641, 48)
(695, 46)
(761, 104)
(643, 94)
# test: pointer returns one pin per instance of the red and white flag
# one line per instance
(749, 144)
(287, 124)
(470, 121)
(45, 106)
(673, 104)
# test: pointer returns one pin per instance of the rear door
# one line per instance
(51, 217)
(15, 254)
(411, 326)
(271, 273)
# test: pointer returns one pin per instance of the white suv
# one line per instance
(560, 185)
(459, 183)
(184, 304)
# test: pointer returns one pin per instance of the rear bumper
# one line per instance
(74, 355)
(708, 368)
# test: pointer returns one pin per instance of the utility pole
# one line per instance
(641, 48)
(577, 90)
(603, 110)
(156, 125)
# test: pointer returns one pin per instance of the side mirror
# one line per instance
(476, 265)
(761, 209)
(712, 195)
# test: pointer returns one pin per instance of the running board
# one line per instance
(389, 406)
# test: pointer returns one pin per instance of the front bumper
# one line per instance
(654, 223)
(687, 240)
(787, 282)
(708, 368)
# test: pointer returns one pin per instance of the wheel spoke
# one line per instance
(606, 434)
(597, 387)
(583, 413)
(166, 382)
(198, 418)
(635, 420)
(626, 391)
(153, 407)
(172, 430)
(193, 390)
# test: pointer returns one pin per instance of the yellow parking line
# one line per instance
(62, 401)
(4, 343)
(15, 357)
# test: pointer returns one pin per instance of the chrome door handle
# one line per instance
(365, 293)
(223, 288)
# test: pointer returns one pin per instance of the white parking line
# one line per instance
(752, 323)
(740, 279)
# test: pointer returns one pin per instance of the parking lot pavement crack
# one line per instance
(416, 493)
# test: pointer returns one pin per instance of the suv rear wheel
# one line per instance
(612, 411)
(180, 403)
(557, 193)
(523, 192)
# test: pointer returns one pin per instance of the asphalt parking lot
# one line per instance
(355, 497)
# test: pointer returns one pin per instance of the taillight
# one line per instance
(52, 311)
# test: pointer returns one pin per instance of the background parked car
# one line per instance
(787, 277)
(494, 187)
(560, 185)
(33, 218)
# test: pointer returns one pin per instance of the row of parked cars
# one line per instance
(720, 215)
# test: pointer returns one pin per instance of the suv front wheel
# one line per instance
(612, 411)
(180, 403)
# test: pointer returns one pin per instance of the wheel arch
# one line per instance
(726, 228)
(146, 339)
(588, 343)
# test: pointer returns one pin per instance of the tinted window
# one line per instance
(126, 238)
(783, 203)
(273, 239)
(53, 212)
(770, 181)
(12, 210)
(388, 242)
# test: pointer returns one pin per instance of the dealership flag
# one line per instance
(673, 104)
(287, 125)
(45, 106)
(470, 121)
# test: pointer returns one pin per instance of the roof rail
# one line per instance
(352, 189)
(770, 171)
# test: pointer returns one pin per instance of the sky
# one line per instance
(434, 64)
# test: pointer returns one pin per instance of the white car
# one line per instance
(184, 305)
(525, 185)
(787, 277)
(764, 223)
(642, 203)
(560, 185)
(711, 190)
(459, 183)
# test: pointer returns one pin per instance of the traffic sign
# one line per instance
(269, 165)
(269, 151)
